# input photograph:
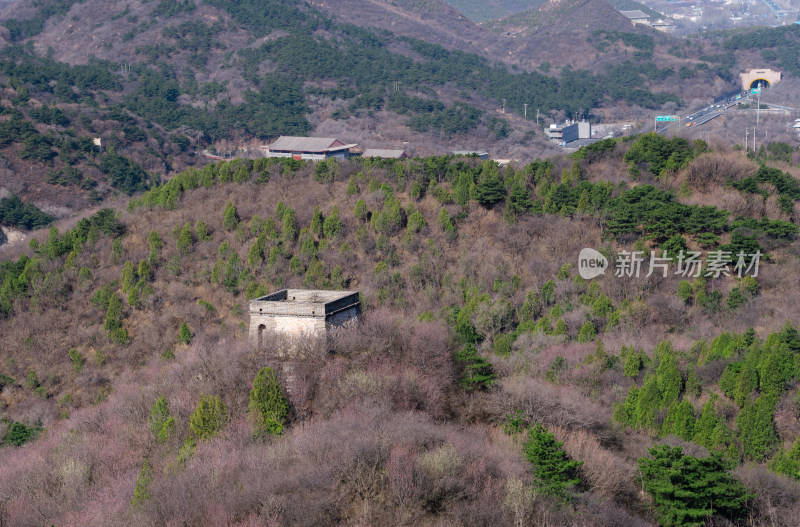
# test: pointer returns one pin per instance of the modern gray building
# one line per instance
(570, 131)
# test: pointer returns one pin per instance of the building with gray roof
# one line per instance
(384, 153)
(308, 148)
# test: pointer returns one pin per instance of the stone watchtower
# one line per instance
(301, 312)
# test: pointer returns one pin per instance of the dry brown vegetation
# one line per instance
(380, 430)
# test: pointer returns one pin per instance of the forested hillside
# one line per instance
(487, 382)
(155, 83)
(183, 56)
(158, 82)
(60, 150)
(496, 389)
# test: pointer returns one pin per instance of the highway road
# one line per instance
(704, 115)
(776, 10)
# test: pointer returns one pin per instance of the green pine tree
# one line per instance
(648, 404)
(710, 429)
(746, 383)
(224, 172)
(114, 313)
(317, 222)
(444, 218)
(257, 251)
(232, 273)
(549, 293)
(560, 328)
(128, 277)
(207, 177)
(352, 187)
(685, 291)
(208, 418)
(268, 406)
(477, 371)
(587, 332)
(162, 424)
(242, 172)
(155, 244)
(679, 421)
(633, 362)
(670, 382)
(757, 428)
(289, 231)
(141, 492)
(693, 387)
(77, 360)
(332, 226)
(519, 200)
(201, 230)
(788, 462)
(531, 308)
(625, 413)
(280, 210)
(360, 211)
(490, 190)
(553, 471)
(184, 333)
(144, 271)
(688, 490)
(230, 219)
(185, 239)
(584, 203)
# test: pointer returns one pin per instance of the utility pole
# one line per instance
(745, 139)
(525, 105)
(504, 106)
(758, 109)
(537, 116)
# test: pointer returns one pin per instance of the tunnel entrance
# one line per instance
(764, 77)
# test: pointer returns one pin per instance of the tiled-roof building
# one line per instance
(308, 148)
(636, 16)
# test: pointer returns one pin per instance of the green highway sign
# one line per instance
(755, 91)
(665, 118)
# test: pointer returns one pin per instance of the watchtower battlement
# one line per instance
(301, 312)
